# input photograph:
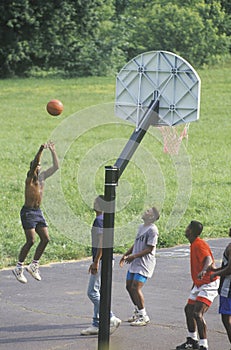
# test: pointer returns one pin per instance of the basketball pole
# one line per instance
(112, 175)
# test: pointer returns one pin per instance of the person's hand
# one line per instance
(201, 274)
(93, 269)
(51, 146)
(212, 276)
(122, 261)
(129, 259)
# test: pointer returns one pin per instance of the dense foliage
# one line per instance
(96, 37)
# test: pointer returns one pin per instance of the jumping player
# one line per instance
(31, 215)
(141, 257)
(204, 289)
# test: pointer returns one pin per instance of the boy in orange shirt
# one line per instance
(204, 289)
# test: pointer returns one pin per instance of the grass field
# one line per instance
(194, 185)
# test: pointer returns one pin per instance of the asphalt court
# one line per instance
(50, 314)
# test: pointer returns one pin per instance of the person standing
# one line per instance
(141, 259)
(204, 290)
(94, 283)
(225, 287)
(31, 215)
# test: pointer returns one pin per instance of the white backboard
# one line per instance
(162, 76)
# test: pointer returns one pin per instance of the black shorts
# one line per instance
(31, 218)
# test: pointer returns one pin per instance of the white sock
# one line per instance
(193, 335)
(142, 312)
(36, 262)
(203, 342)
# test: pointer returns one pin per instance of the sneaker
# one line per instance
(141, 321)
(134, 316)
(114, 323)
(33, 269)
(90, 331)
(189, 344)
(18, 272)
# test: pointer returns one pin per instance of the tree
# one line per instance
(17, 24)
(195, 32)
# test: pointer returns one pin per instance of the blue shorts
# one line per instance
(31, 218)
(136, 277)
(225, 306)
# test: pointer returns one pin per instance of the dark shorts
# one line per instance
(31, 218)
(225, 306)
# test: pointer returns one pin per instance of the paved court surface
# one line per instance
(50, 314)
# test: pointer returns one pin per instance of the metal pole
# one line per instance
(137, 136)
(111, 179)
(112, 174)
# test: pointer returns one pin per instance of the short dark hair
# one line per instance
(196, 227)
(99, 203)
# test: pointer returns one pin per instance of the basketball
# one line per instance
(54, 107)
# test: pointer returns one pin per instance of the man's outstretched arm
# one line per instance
(55, 166)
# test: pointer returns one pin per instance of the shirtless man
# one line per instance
(31, 215)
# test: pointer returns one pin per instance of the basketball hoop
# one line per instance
(173, 137)
(164, 77)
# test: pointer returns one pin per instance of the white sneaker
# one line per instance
(18, 272)
(134, 316)
(114, 323)
(90, 331)
(33, 269)
(141, 321)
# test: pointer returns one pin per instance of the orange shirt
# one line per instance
(199, 250)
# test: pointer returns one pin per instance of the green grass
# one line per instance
(151, 177)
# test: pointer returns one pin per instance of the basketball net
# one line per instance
(173, 137)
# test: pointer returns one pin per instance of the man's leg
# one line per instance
(30, 239)
(93, 293)
(135, 292)
(134, 288)
(129, 287)
(190, 320)
(191, 341)
(134, 284)
(18, 271)
(226, 320)
(42, 231)
(33, 268)
(199, 309)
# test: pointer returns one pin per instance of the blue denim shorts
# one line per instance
(31, 218)
(225, 306)
(136, 277)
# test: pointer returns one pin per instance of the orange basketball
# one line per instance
(54, 107)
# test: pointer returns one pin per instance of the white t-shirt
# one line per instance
(146, 236)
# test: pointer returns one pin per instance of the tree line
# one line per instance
(97, 37)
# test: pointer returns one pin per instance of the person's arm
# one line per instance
(142, 253)
(128, 252)
(225, 271)
(208, 261)
(55, 166)
(94, 267)
(36, 161)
